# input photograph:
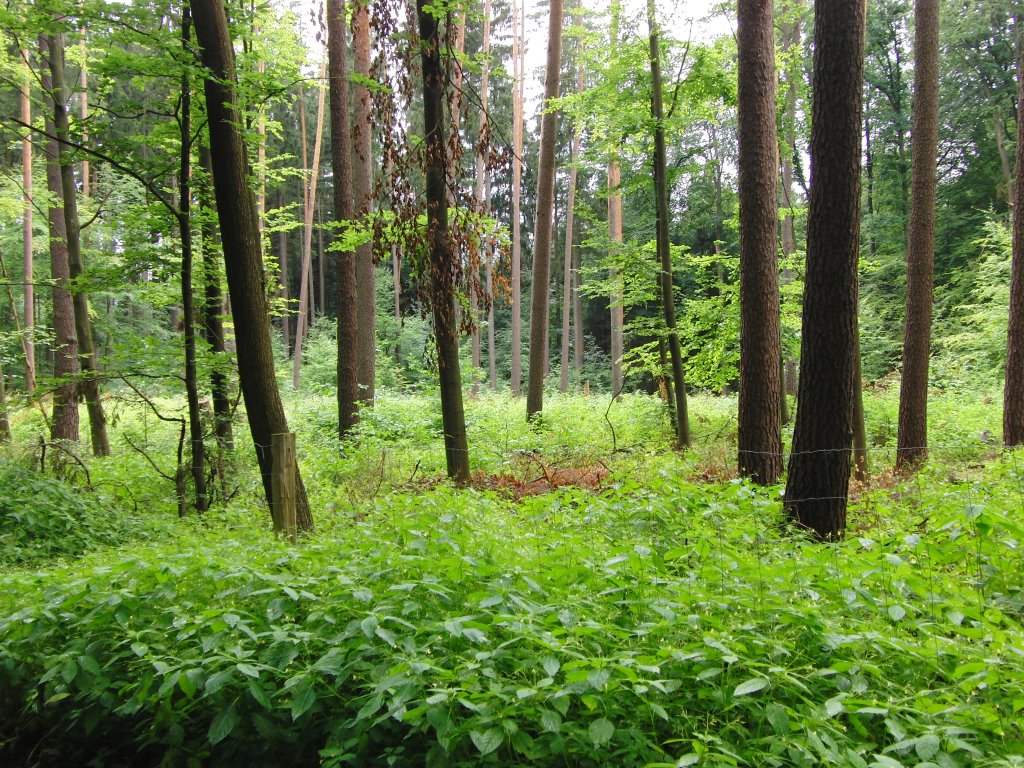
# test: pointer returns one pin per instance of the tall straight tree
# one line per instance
(1013, 393)
(617, 309)
(912, 437)
(517, 190)
(362, 189)
(819, 468)
(567, 261)
(482, 194)
(341, 167)
(243, 258)
(27, 260)
(540, 293)
(668, 306)
(443, 257)
(53, 54)
(760, 430)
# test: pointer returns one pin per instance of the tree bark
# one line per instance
(341, 168)
(482, 186)
(517, 183)
(1013, 392)
(27, 260)
(65, 423)
(682, 420)
(540, 287)
(618, 313)
(236, 210)
(89, 385)
(195, 428)
(819, 468)
(760, 390)
(567, 261)
(362, 183)
(912, 435)
(443, 259)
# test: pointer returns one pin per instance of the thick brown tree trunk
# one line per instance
(819, 468)
(668, 306)
(912, 437)
(1013, 393)
(362, 186)
(236, 210)
(541, 289)
(760, 430)
(341, 167)
(443, 266)
(89, 385)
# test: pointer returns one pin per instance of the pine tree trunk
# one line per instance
(341, 168)
(65, 423)
(567, 261)
(482, 184)
(89, 385)
(442, 252)
(760, 390)
(362, 183)
(1013, 393)
(541, 288)
(236, 210)
(819, 468)
(517, 182)
(912, 437)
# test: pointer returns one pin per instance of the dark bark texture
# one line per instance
(341, 166)
(912, 436)
(540, 291)
(1013, 394)
(819, 468)
(760, 430)
(443, 259)
(236, 210)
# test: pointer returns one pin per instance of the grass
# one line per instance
(662, 618)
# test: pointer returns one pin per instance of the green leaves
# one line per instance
(222, 725)
(747, 687)
(487, 741)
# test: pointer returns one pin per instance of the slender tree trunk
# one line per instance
(236, 209)
(682, 420)
(577, 313)
(83, 81)
(27, 260)
(283, 292)
(517, 182)
(396, 288)
(65, 357)
(212, 311)
(819, 468)
(83, 324)
(791, 44)
(860, 435)
(1013, 393)
(5, 422)
(869, 178)
(442, 253)
(567, 261)
(341, 168)
(540, 292)
(618, 313)
(760, 436)
(912, 438)
(306, 276)
(195, 428)
(362, 183)
(482, 184)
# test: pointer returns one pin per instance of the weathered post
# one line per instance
(282, 451)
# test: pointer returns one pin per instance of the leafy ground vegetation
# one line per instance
(594, 599)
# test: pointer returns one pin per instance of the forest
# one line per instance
(484, 382)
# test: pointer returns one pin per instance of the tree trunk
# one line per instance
(362, 183)
(443, 266)
(341, 168)
(760, 391)
(1013, 393)
(212, 311)
(236, 210)
(65, 359)
(27, 260)
(819, 468)
(482, 185)
(577, 312)
(283, 292)
(567, 261)
(682, 420)
(83, 324)
(618, 314)
(195, 428)
(791, 43)
(912, 436)
(860, 435)
(306, 276)
(540, 291)
(517, 183)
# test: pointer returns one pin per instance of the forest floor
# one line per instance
(594, 598)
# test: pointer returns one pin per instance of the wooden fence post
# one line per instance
(282, 483)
